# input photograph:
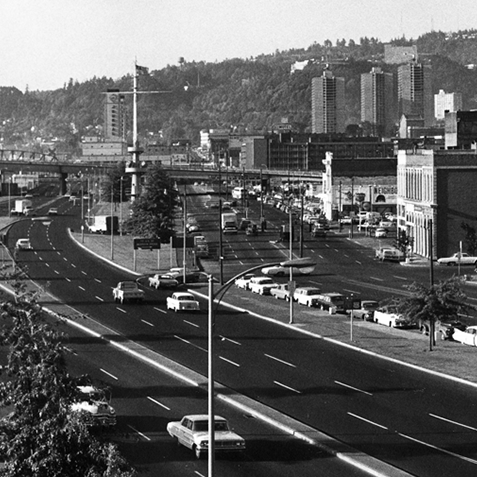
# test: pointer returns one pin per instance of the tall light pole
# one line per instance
(213, 298)
(111, 223)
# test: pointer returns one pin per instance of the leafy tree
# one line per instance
(470, 238)
(153, 211)
(41, 437)
(442, 301)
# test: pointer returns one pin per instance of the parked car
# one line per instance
(244, 282)
(462, 258)
(467, 336)
(23, 244)
(262, 285)
(381, 232)
(162, 280)
(192, 431)
(281, 292)
(182, 301)
(306, 295)
(365, 311)
(389, 316)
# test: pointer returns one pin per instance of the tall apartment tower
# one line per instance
(415, 92)
(327, 103)
(114, 123)
(377, 101)
(443, 102)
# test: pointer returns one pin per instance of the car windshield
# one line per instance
(185, 298)
(313, 291)
(203, 426)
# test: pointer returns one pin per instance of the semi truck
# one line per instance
(104, 224)
(229, 223)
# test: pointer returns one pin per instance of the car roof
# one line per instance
(200, 417)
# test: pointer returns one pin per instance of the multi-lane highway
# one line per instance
(415, 421)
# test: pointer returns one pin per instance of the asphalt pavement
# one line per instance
(448, 359)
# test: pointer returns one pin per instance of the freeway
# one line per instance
(413, 420)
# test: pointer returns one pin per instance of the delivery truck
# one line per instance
(229, 223)
(104, 224)
(20, 206)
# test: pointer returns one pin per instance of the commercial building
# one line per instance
(436, 196)
(328, 103)
(446, 102)
(461, 130)
(377, 101)
(415, 92)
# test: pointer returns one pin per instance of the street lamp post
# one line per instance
(212, 297)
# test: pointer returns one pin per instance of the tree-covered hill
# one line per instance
(244, 95)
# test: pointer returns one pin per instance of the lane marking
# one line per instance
(158, 403)
(139, 433)
(223, 338)
(120, 309)
(376, 279)
(73, 265)
(81, 288)
(353, 388)
(445, 451)
(400, 278)
(67, 279)
(230, 361)
(147, 323)
(162, 311)
(367, 420)
(84, 273)
(280, 360)
(287, 387)
(57, 272)
(190, 343)
(190, 323)
(99, 298)
(351, 291)
(453, 422)
(109, 374)
(358, 262)
(97, 280)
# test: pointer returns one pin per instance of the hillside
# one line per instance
(246, 95)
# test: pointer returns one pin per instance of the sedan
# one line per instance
(182, 301)
(53, 211)
(162, 281)
(262, 285)
(192, 431)
(458, 258)
(381, 232)
(244, 282)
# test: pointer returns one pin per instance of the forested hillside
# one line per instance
(245, 95)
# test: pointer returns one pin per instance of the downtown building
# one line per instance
(377, 102)
(328, 104)
(415, 92)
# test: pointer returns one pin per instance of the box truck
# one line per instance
(104, 224)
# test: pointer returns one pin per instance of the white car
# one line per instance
(307, 295)
(23, 244)
(192, 431)
(279, 271)
(163, 280)
(53, 211)
(381, 232)
(467, 337)
(182, 301)
(462, 258)
(244, 282)
(261, 285)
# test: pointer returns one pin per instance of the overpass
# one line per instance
(16, 161)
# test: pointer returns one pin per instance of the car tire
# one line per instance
(197, 452)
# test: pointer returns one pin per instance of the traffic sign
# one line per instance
(148, 243)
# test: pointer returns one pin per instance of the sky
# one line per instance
(45, 43)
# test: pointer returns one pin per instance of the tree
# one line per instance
(427, 306)
(470, 238)
(41, 437)
(153, 211)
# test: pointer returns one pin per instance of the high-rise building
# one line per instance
(328, 103)
(114, 124)
(415, 91)
(450, 102)
(377, 101)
